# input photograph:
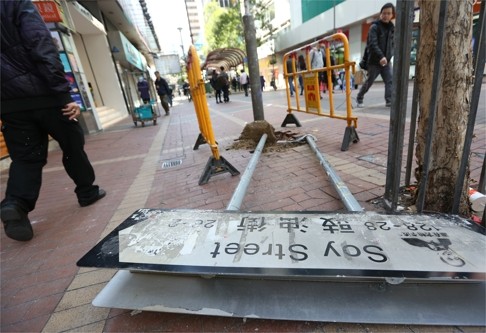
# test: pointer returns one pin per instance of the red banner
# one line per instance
(49, 10)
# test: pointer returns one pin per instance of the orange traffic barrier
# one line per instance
(312, 102)
(216, 163)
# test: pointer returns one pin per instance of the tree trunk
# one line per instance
(453, 102)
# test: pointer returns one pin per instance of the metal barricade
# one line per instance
(216, 163)
(310, 78)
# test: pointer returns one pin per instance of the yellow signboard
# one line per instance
(312, 93)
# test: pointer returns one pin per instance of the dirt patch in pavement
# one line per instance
(405, 202)
(277, 141)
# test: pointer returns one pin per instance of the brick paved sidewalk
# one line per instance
(42, 289)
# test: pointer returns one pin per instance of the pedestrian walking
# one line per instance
(143, 90)
(163, 90)
(216, 86)
(35, 103)
(244, 81)
(224, 80)
(290, 70)
(380, 50)
(317, 61)
(302, 67)
(334, 77)
(238, 84)
(187, 90)
(272, 81)
(262, 82)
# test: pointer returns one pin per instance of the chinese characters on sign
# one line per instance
(358, 243)
(312, 93)
(49, 10)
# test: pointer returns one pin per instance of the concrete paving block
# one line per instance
(91, 278)
(97, 327)
(78, 297)
(75, 318)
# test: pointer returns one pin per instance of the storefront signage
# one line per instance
(49, 10)
(296, 243)
(131, 53)
(124, 51)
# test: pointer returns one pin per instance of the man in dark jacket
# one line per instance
(290, 70)
(380, 51)
(163, 90)
(35, 103)
(223, 81)
(216, 86)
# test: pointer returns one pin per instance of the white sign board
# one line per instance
(297, 243)
(168, 64)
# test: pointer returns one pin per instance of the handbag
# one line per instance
(363, 64)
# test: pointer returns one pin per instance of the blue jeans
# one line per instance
(291, 85)
(373, 72)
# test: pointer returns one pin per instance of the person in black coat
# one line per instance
(223, 81)
(163, 90)
(290, 70)
(36, 103)
(301, 67)
(380, 51)
(216, 86)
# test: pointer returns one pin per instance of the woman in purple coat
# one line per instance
(143, 89)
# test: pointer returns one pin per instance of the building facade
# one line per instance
(313, 20)
(103, 53)
(195, 18)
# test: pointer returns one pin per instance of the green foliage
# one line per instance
(228, 30)
(224, 27)
(212, 11)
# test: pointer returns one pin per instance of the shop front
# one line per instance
(97, 70)
(130, 66)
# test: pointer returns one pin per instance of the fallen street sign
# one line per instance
(295, 244)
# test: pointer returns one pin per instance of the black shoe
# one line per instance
(16, 223)
(388, 104)
(101, 194)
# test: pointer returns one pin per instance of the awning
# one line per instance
(227, 57)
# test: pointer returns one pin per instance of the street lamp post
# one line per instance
(182, 44)
(183, 54)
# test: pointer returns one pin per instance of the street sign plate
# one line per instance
(295, 244)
